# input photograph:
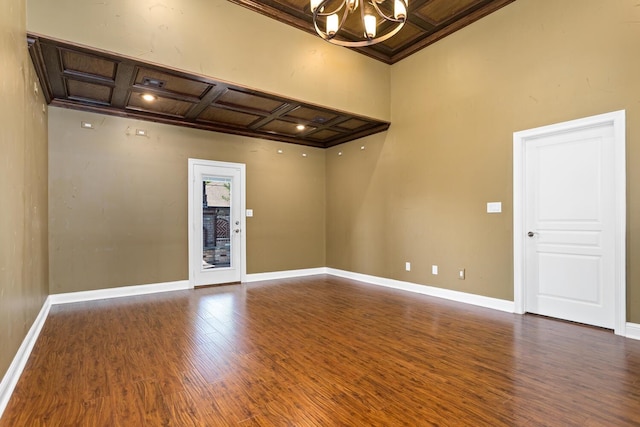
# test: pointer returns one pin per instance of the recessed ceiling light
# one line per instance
(86, 125)
(362, 148)
(300, 127)
(148, 97)
(304, 154)
(339, 153)
(280, 151)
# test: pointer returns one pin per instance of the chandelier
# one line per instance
(329, 17)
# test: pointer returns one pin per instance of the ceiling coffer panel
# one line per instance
(83, 78)
(428, 22)
(87, 64)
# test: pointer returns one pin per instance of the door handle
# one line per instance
(237, 230)
(531, 234)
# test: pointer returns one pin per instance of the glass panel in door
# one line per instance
(216, 222)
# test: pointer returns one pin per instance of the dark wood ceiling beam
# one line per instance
(51, 57)
(84, 100)
(209, 97)
(329, 125)
(125, 73)
(275, 115)
(89, 78)
(35, 51)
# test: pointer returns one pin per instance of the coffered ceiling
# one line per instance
(87, 79)
(428, 22)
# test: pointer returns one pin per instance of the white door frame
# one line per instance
(615, 119)
(243, 219)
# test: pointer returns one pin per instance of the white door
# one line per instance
(570, 224)
(216, 229)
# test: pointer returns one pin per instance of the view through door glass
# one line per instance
(216, 222)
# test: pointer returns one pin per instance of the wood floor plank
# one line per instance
(183, 410)
(99, 413)
(319, 351)
(156, 412)
(127, 405)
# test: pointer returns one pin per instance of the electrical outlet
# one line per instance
(461, 274)
(434, 269)
(407, 266)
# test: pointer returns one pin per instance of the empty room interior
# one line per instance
(209, 215)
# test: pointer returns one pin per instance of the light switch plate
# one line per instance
(434, 269)
(249, 212)
(494, 207)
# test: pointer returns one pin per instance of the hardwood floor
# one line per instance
(319, 351)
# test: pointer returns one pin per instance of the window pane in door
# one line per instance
(216, 222)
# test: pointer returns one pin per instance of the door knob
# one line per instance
(531, 234)
(237, 230)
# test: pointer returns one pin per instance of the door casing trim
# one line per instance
(615, 119)
(243, 218)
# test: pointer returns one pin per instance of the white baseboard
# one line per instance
(479, 300)
(12, 375)
(632, 331)
(124, 291)
(287, 274)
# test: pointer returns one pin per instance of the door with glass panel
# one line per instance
(216, 229)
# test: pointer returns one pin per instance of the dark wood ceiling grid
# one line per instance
(428, 22)
(88, 79)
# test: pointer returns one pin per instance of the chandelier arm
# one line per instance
(344, 17)
(374, 3)
(365, 43)
(318, 11)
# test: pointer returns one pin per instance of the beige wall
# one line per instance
(118, 202)
(219, 39)
(23, 187)
(420, 194)
(416, 193)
